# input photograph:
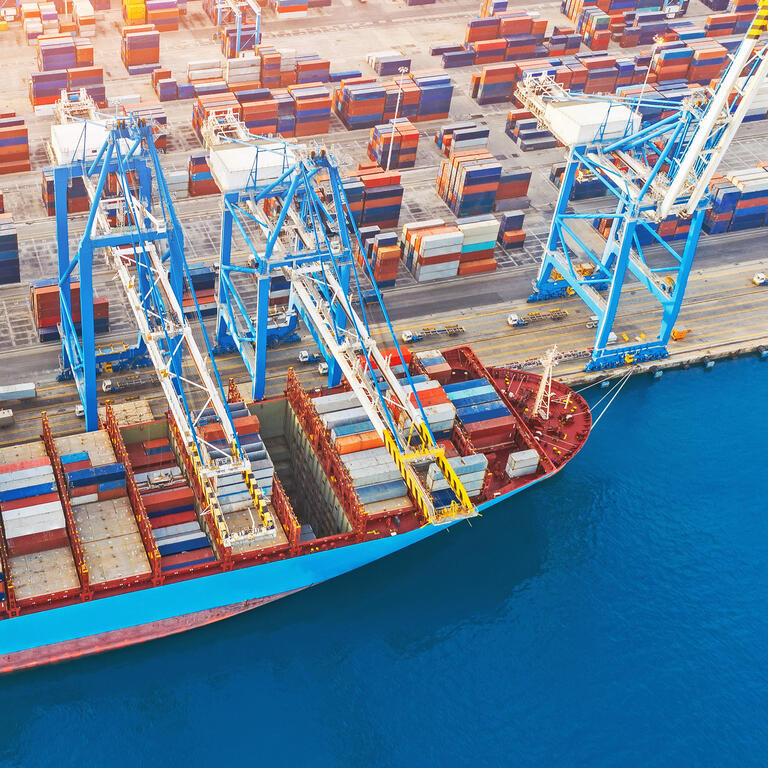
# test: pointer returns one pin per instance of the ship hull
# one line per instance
(117, 621)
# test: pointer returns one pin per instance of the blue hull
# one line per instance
(247, 585)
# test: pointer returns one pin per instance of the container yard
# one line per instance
(233, 258)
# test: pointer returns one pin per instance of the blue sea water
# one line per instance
(614, 616)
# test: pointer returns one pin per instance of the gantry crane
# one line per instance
(238, 8)
(651, 172)
(288, 202)
(143, 245)
(132, 222)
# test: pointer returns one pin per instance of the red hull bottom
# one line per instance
(119, 638)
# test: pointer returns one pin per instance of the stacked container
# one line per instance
(165, 85)
(479, 234)
(310, 68)
(14, 144)
(740, 201)
(380, 195)
(9, 250)
(481, 412)
(164, 14)
(394, 144)
(359, 102)
(203, 281)
(431, 249)
(77, 195)
(460, 137)
(382, 253)
(468, 182)
(388, 62)
(84, 18)
(290, 9)
(511, 233)
(312, 109)
(527, 133)
(201, 180)
(33, 25)
(140, 49)
(46, 308)
(436, 92)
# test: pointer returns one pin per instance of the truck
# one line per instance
(514, 320)
(592, 323)
(306, 357)
(128, 382)
(430, 332)
(760, 278)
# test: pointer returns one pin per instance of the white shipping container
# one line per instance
(28, 526)
(338, 402)
(522, 463)
(18, 391)
(32, 511)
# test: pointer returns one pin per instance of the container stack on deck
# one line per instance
(96, 484)
(167, 498)
(482, 413)
(34, 526)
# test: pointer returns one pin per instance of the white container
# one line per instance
(522, 463)
(28, 526)
(17, 391)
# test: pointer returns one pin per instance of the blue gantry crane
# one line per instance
(651, 172)
(288, 203)
(133, 224)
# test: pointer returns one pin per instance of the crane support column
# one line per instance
(262, 320)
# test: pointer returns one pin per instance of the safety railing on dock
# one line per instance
(72, 532)
(134, 494)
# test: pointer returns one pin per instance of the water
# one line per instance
(614, 616)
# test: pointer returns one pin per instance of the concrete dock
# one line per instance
(725, 312)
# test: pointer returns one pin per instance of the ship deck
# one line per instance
(145, 521)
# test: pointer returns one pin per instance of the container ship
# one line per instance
(113, 537)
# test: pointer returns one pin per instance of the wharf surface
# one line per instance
(724, 311)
